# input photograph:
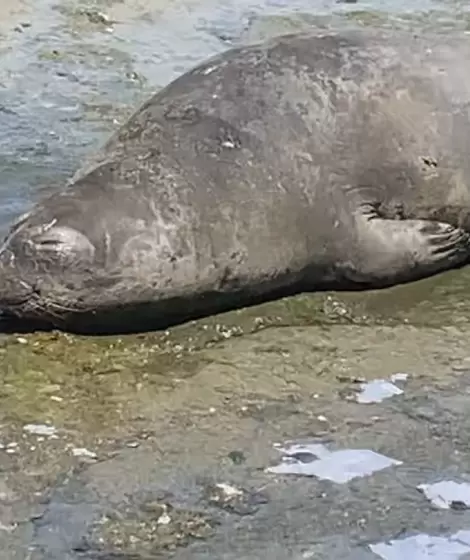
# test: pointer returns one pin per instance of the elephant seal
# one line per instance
(309, 162)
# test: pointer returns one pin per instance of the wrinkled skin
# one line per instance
(309, 162)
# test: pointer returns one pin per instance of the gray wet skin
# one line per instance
(309, 162)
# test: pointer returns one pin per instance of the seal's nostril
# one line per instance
(429, 161)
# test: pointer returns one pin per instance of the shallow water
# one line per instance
(104, 427)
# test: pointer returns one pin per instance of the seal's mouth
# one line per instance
(14, 291)
(19, 306)
(14, 294)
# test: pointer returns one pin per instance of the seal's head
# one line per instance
(38, 263)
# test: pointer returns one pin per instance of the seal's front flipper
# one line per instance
(395, 251)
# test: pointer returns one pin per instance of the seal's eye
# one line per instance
(62, 243)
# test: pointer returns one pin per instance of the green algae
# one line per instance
(374, 18)
(87, 381)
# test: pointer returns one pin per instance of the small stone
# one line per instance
(83, 452)
(164, 518)
(399, 377)
(39, 429)
(228, 491)
(97, 17)
(237, 457)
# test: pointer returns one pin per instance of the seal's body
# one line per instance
(310, 162)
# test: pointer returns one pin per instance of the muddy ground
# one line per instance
(159, 445)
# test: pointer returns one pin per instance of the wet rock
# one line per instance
(237, 457)
(94, 16)
(40, 429)
(336, 310)
(270, 409)
(11, 447)
(7, 495)
(153, 528)
(233, 499)
(22, 26)
(84, 453)
(350, 379)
